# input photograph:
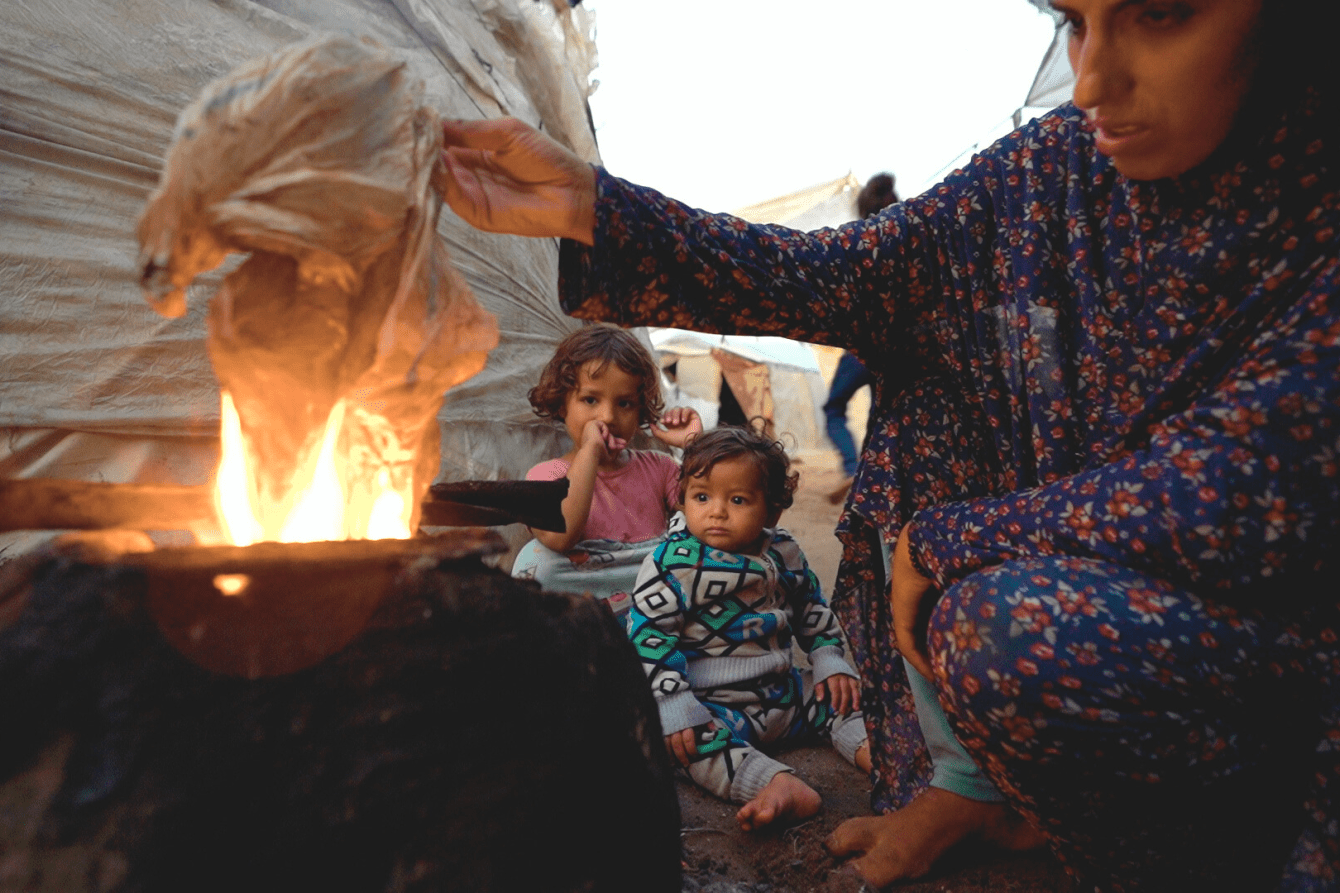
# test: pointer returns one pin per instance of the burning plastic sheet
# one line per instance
(338, 336)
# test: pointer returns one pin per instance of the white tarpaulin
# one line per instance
(95, 385)
(1054, 83)
(788, 373)
(826, 205)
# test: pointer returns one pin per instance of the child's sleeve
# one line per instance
(817, 629)
(548, 470)
(655, 621)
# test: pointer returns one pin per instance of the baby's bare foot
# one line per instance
(907, 843)
(862, 758)
(785, 798)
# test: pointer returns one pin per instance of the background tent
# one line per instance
(1054, 83)
(95, 386)
(774, 378)
(826, 205)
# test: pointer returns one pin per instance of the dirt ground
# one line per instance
(720, 858)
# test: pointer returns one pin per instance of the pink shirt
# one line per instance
(629, 504)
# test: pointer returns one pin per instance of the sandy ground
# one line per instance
(719, 858)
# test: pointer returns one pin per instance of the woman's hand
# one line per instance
(677, 427)
(843, 693)
(908, 590)
(504, 176)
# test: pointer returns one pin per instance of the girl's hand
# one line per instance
(683, 745)
(504, 176)
(596, 436)
(908, 590)
(843, 693)
(678, 426)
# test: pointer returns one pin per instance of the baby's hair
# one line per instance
(766, 454)
(604, 345)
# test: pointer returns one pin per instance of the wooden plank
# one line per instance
(51, 504)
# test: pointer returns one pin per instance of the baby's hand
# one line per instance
(678, 426)
(683, 745)
(843, 693)
(596, 436)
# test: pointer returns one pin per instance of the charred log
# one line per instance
(475, 735)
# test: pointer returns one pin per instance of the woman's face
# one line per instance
(1162, 80)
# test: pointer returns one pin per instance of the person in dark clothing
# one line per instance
(851, 374)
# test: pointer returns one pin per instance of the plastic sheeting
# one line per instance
(89, 93)
(777, 378)
(1054, 83)
(826, 205)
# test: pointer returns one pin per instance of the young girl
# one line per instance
(603, 385)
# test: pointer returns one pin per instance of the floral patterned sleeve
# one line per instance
(1240, 488)
(659, 262)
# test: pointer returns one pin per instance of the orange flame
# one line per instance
(322, 505)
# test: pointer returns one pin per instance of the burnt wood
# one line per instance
(475, 735)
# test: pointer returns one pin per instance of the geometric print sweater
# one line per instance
(702, 618)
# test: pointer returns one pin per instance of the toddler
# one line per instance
(603, 385)
(713, 614)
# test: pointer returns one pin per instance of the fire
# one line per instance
(323, 505)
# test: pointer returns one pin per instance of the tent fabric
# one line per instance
(775, 378)
(1054, 83)
(752, 387)
(759, 349)
(826, 205)
(91, 91)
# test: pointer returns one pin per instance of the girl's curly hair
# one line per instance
(766, 454)
(601, 344)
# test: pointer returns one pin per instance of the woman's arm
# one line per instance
(656, 261)
(636, 257)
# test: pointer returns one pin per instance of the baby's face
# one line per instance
(727, 508)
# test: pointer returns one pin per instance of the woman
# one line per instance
(1109, 481)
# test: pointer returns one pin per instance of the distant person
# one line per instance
(714, 612)
(851, 375)
(603, 385)
(876, 195)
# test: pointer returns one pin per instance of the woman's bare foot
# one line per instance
(785, 798)
(907, 843)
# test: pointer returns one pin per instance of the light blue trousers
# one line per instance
(954, 770)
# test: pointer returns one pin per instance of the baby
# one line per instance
(713, 614)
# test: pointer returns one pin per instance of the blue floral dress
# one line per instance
(1111, 410)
